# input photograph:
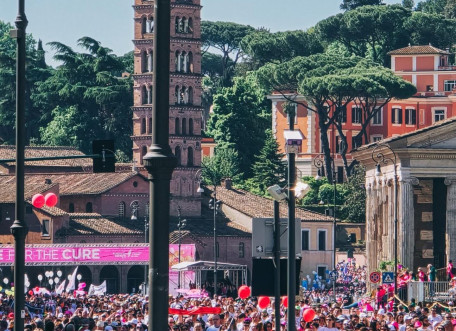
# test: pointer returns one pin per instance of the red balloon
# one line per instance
(51, 199)
(244, 292)
(37, 289)
(285, 301)
(308, 315)
(38, 200)
(30, 292)
(263, 302)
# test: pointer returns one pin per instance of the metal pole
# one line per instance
(215, 239)
(291, 283)
(395, 232)
(159, 163)
(19, 228)
(277, 263)
(179, 225)
(146, 227)
(334, 214)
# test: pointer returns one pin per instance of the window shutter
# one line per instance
(393, 115)
(400, 116)
(407, 117)
(413, 116)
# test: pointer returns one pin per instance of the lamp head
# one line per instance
(318, 176)
(200, 189)
(378, 170)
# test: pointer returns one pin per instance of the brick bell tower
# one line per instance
(185, 116)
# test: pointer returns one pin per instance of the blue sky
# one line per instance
(111, 21)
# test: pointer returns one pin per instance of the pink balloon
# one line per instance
(263, 302)
(244, 292)
(51, 199)
(38, 200)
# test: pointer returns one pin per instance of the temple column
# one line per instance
(406, 215)
(451, 218)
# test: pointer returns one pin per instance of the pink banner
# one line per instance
(83, 254)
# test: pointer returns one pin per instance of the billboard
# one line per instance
(91, 254)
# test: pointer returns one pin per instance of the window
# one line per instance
(122, 209)
(149, 129)
(45, 228)
(71, 207)
(321, 240)
(241, 250)
(190, 157)
(377, 119)
(429, 88)
(376, 138)
(177, 154)
(449, 85)
(305, 234)
(184, 127)
(89, 207)
(356, 142)
(177, 126)
(410, 116)
(343, 114)
(396, 116)
(190, 127)
(217, 249)
(295, 114)
(439, 115)
(143, 153)
(321, 271)
(357, 115)
(143, 126)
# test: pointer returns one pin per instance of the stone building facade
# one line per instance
(426, 200)
(185, 114)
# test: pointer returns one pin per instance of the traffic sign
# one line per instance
(333, 275)
(388, 277)
(375, 277)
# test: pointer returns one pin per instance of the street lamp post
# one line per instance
(214, 205)
(378, 157)
(180, 225)
(19, 228)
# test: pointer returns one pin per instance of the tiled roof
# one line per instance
(9, 152)
(259, 207)
(447, 122)
(70, 183)
(8, 188)
(95, 224)
(416, 50)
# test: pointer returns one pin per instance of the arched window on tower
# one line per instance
(184, 127)
(177, 126)
(190, 25)
(177, 95)
(190, 62)
(150, 25)
(190, 127)
(183, 95)
(190, 95)
(143, 126)
(150, 60)
(180, 25)
(149, 127)
(176, 25)
(144, 25)
(143, 61)
(182, 62)
(185, 24)
(177, 154)
(144, 95)
(122, 209)
(143, 152)
(178, 61)
(149, 94)
(190, 157)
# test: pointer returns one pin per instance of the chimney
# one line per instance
(228, 183)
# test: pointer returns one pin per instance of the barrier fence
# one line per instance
(429, 292)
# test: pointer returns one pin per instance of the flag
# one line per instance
(72, 281)
(61, 287)
(97, 289)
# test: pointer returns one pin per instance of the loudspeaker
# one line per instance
(263, 276)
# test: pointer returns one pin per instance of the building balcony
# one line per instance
(431, 94)
(447, 68)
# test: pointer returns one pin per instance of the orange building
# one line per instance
(426, 67)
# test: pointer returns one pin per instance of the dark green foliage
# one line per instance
(240, 119)
(224, 164)
(85, 99)
(354, 206)
(432, 6)
(409, 4)
(352, 4)
(269, 167)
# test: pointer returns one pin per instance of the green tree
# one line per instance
(37, 71)
(409, 4)
(432, 6)
(352, 4)
(368, 31)
(269, 168)
(224, 164)
(355, 199)
(450, 9)
(225, 37)
(87, 86)
(241, 115)
(263, 47)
